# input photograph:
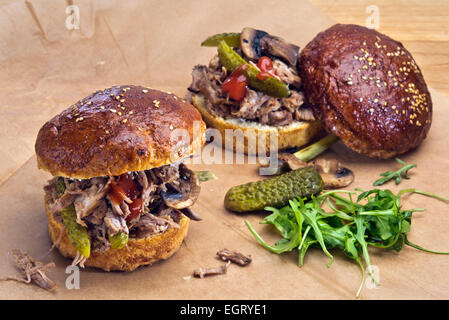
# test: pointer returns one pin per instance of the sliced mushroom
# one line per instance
(250, 42)
(254, 43)
(187, 194)
(334, 175)
(190, 213)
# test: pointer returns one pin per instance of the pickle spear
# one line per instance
(232, 39)
(232, 60)
(274, 192)
(76, 232)
(118, 240)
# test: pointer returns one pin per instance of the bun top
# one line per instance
(118, 130)
(367, 89)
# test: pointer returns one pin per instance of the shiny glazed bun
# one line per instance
(367, 89)
(118, 130)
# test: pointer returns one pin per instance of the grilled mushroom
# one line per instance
(254, 43)
(334, 175)
(185, 196)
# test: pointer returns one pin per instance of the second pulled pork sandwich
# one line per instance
(252, 84)
(120, 195)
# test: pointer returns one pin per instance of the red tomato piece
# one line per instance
(129, 186)
(135, 208)
(236, 83)
(117, 194)
(265, 64)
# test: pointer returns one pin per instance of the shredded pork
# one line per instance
(256, 106)
(103, 217)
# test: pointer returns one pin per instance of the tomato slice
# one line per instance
(125, 187)
(236, 83)
(128, 185)
(135, 208)
(265, 64)
(117, 194)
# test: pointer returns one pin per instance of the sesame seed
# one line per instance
(102, 107)
(361, 99)
(106, 131)
(171, 127)
(79, 119)
(119, 113)
(376, 100)
(122, 100)
(130, 112)
(117, 97)
(113, 110)
(144, 90)
(125, 120)
(350, 82)
(393, 107)
(371, 110)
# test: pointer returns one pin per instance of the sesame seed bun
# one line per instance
(367, 89)
(136, 253)
(295, 134)
(118, 130)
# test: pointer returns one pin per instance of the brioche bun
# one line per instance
(136, 253)
(367, 90)
(118, 130)
(295, 134)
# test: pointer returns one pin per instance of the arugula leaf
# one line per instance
(375, 219)
(397, 175)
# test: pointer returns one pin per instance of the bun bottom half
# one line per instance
(137, 252)
(295, 134)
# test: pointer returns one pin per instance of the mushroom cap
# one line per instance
(367, 89)
(255, 43)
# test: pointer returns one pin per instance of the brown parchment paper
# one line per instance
(45, 68)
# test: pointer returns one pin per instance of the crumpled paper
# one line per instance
(48, 64)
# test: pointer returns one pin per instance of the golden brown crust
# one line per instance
(297, 134)
(118, 130)
(367, 89)
(136, 253)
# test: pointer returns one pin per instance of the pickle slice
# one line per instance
(118, 240)
(274, 192)
(232, 60)
(60, 186)
(76, 232)
(232, 39)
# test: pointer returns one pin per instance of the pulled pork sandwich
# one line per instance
(252, 84)
(120, 195)
(367, 89)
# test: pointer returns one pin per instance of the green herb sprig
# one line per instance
(375, 218)
(398, 175)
